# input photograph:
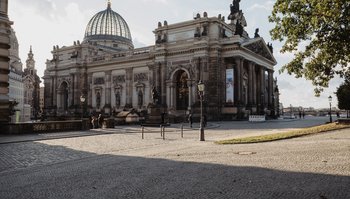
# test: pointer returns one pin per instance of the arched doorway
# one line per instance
(63, 92)
(182, 90)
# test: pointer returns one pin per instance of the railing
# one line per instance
(46, 127)
(257, 118)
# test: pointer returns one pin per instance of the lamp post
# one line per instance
(201, 88)
(82, 100)
(330, 108)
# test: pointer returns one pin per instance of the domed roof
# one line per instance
(108, 25)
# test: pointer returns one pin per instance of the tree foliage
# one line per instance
(343, 95)
(323, 26)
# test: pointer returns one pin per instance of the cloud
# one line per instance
(156, 1)
(45, 8)
(266, 6)
(283, 84)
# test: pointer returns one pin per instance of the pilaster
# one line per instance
(129, 86)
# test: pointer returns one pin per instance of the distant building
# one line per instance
(16, 90)
(42, 100)
(5, 30)
(31, 86)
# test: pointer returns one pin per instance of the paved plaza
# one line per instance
(118, 163)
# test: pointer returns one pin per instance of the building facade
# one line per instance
(237, 70)
(31, 83)
(5, 25)
(16, 90)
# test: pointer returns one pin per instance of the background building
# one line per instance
(5, 25)
(236, 69)
(16, 93)
(41, 105)
(31, 86)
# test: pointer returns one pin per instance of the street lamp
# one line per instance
(82, 100)
(201, 88)
(330, 108)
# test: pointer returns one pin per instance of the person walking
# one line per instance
(190, 119)
(204, 120)
(100, 120)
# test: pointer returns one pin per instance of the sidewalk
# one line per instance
(214, 131)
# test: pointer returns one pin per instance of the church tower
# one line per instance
(31, 83)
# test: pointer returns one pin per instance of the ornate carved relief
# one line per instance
(118, 79)
(99, 81)
(140, 77)
(189, 67)
(260, 49)
(62, 79)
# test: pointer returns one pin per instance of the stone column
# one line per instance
(71, 90)
(54, 91)
(262, 87)
(190, 93)
(254, 84)
(108, 97)
(89, 90)
(270, 82)
(129, 86)
(250, 84)
(163, 83)
(108, 93)
(168, 95)
(239, 81)
(172, 96)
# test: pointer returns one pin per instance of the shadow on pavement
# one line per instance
(60, 172)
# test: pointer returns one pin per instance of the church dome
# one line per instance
(108, 25)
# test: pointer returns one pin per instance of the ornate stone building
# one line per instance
(5, 25)
(237, 70)
(16, 91)
(31, 86)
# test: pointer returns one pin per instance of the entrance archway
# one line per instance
(182, 90)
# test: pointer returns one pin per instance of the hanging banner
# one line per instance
(229, 86)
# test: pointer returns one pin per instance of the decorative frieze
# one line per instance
(140, 77)
(99, 81)
(118, 79)
(64, 79)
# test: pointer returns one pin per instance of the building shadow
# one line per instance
(59, 172)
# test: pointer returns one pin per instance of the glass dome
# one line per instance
(108, 25)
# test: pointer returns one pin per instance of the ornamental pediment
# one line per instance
(259, 47)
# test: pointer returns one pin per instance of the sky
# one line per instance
(45, 23)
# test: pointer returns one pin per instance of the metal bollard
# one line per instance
(163, 132)
(143, 131)
(182, 131)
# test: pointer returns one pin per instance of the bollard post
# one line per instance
(182, 131)
(143, 131)
(163, 132)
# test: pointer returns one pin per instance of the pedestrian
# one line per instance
(100, 120)
(299, 114)
(163, 118)
(94, 122)
(303, 115)
(91, 125)
(190, 119)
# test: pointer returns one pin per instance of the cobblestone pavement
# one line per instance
(119, 164)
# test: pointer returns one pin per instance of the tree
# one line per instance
(343, 95)
(323, 25)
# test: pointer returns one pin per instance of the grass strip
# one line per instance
(285, 135)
